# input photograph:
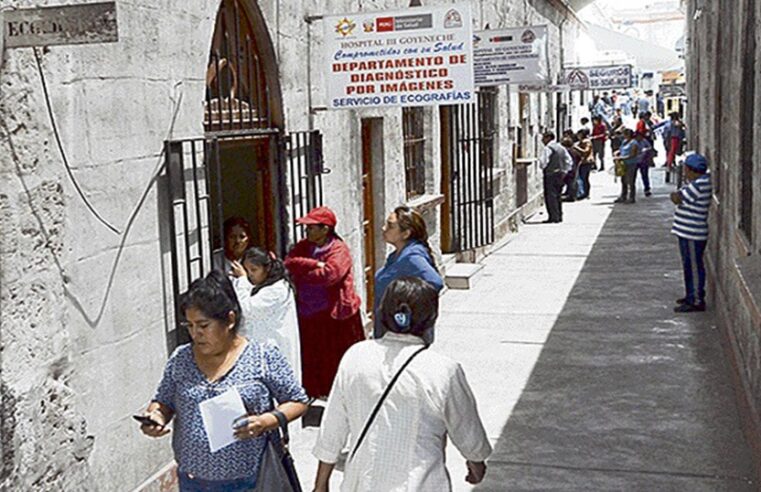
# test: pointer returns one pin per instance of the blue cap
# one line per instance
(696, 162)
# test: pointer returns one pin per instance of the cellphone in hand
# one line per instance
(146, 420)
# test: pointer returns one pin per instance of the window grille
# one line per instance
(413, 129)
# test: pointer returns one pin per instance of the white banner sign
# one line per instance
(598, 78)
(417, 57)
(511, 56)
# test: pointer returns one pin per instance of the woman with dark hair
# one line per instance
(571, 179)
(395, 405)
(237, 236)
(406, 231)
(221, 362)
(586, 160)
(267, 299)
(628, 158)
(328, 307)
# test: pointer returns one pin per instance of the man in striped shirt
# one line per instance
(691, 227)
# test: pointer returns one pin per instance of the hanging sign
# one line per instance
(70, 24)
(417, 57)
(598, 78)
(511, 56)
(543, 88)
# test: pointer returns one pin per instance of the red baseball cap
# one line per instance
(319, 215)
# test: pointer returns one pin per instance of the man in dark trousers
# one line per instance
(691, 228)
(555, 162)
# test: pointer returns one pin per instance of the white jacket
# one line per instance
(270, 317)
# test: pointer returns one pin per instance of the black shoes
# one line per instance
(690, 308)
(648, 193)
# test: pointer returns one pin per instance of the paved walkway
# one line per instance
(585, 378)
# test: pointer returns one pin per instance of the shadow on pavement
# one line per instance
(626, 394)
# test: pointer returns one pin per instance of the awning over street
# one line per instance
(649, 56)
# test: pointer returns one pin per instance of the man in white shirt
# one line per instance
(554, 162)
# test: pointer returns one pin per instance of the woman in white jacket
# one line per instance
(268, 302)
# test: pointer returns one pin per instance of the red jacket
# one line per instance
(335, 276)
(599, 132)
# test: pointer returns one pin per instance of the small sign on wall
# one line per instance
(70, 24)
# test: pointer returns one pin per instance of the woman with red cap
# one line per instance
(328, 307)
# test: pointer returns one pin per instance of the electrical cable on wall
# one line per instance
(63, 153)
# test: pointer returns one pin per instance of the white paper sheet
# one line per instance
(218, 415)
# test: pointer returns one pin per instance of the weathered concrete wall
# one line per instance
(83, 333)
(82, 317)
(718, 58)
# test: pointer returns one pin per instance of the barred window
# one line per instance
(413, 130)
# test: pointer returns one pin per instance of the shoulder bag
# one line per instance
(277, 471)
(381, 400)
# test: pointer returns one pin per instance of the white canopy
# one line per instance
(648, 56)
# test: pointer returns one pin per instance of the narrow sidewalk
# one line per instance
(585, 378)
(626, 394)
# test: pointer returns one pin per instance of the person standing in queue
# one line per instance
(406, 231)
(327, 305)
(555, 163)
(628, 158)
(268, 302)
(599, 136)
(585, 150)
(237, 236)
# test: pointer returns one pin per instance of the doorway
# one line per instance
(243, 112)
(373, 211)
(520, 151)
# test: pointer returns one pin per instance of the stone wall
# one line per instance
(84, 310)
(718, 72)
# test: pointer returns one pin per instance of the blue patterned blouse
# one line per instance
(258, 370)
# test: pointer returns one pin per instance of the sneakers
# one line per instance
(648, 193)
(690, 308)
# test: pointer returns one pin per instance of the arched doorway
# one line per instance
(243, 117)
(237, 168)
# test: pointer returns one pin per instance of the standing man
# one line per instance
(599, 134)
(691, 227)
(643, 103)
(555, 163)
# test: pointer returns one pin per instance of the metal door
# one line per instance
(306, 167)
(469, 132)
(191, 215)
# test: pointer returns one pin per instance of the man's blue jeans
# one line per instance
(694, 270)
(644, 172)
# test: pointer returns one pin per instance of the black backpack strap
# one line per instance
(382, 399)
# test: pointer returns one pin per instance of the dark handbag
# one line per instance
(278, 470)
(381, 400)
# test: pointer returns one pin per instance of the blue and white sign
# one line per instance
(416, 57)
